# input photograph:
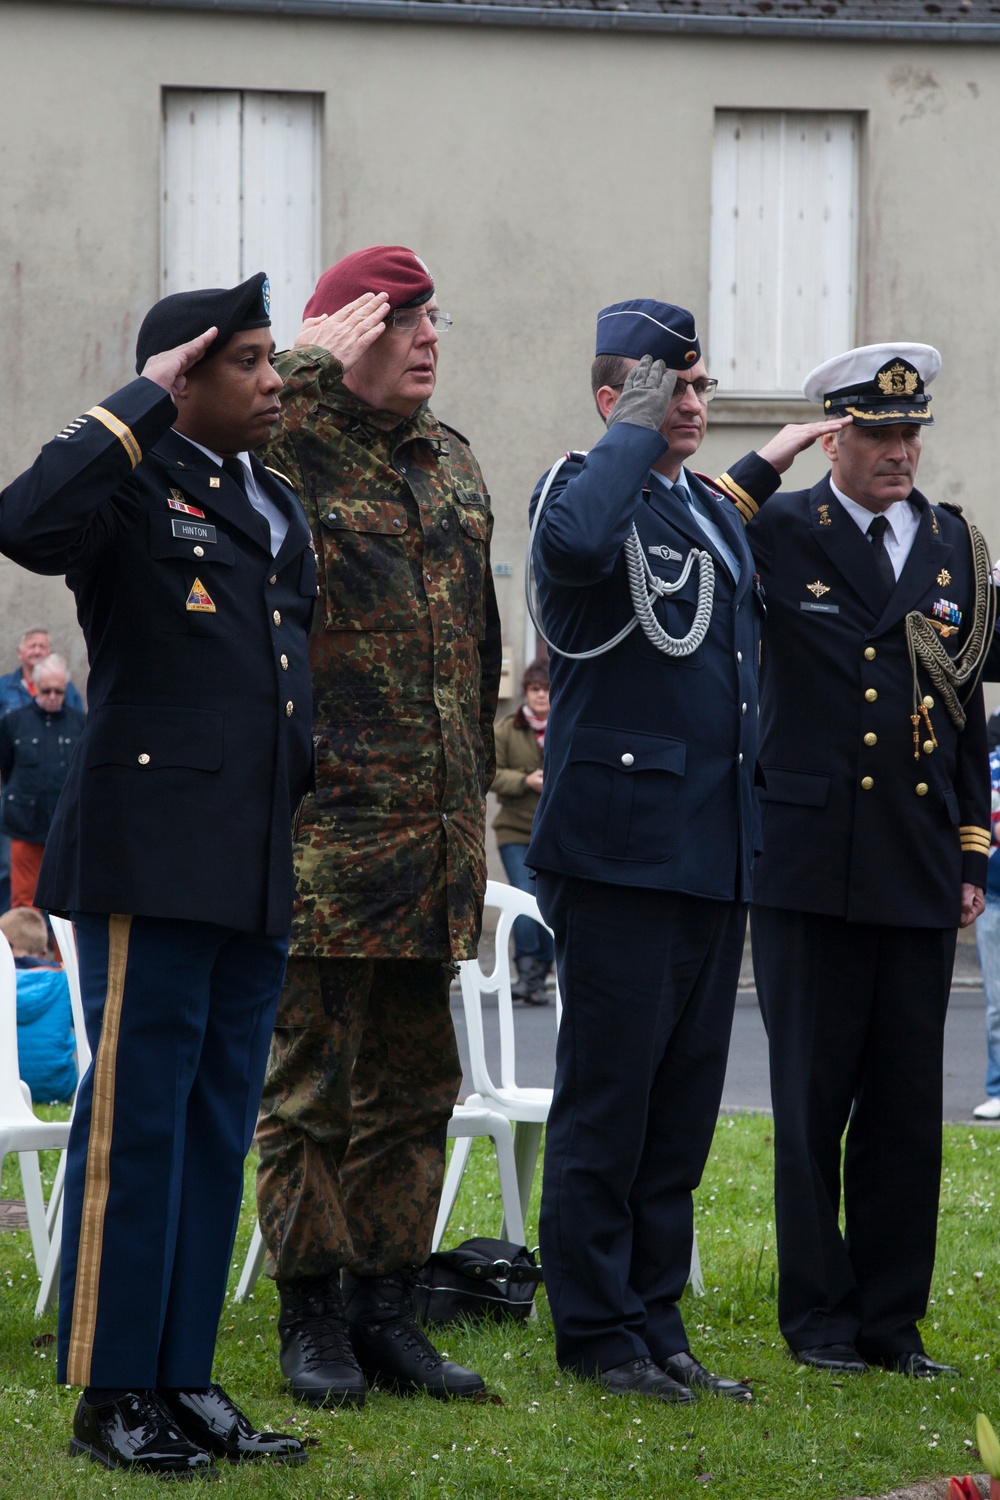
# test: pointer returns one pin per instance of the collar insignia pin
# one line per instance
(214, 483)
(817, 588)
(944, 578)
(824, 519)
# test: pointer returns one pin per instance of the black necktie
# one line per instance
(877, 530)
(236, 470)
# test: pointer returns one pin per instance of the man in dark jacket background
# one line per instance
(36, 743)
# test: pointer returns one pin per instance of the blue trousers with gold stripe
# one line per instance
(179, 1017)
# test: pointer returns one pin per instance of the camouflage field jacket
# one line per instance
(389, 851)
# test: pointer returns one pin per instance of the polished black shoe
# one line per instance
(214, 1422)
(913, 1362)
(391, 1347)
(137, 1431)
(840, 1359)
(316, 1355)
(641, 1377)
(686, 1370)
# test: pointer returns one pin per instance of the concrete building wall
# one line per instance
(541, 174)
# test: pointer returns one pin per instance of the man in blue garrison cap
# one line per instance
(644, 839)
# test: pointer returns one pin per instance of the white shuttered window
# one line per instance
(784, 246)
(241, 194)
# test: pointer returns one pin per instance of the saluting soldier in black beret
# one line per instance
(876, 829)
(171, 850)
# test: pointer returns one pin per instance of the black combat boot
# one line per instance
(522, 984)
(391, 1347)
(316, 1354)
(537, 994)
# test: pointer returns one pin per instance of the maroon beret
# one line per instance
(381, 268)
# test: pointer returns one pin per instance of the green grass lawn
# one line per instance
(805, 1434)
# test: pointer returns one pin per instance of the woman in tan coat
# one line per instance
(520, 742)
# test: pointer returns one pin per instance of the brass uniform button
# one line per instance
(867, 782)
(289, 709)
(284, 662)
(870, 695)
(869, 653)
(276, 617)
(199, 552)
(928, 747)
(922, 789)
(144, 759)
(928, 701)
(871, 739)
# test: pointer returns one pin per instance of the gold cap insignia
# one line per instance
(818, 588)
(897, 380)
(944, 578)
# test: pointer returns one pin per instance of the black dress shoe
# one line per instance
(392, 1348)
(214, 1422)
(686, 1370)
(316, 1355)
(641, 1377)
(137, 1432)
(841, 1359)
(913, 1362)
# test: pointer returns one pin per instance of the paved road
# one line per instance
(746, 1078)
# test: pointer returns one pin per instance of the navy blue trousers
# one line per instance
(648, 981)
(855, 1017)
(179, 1017)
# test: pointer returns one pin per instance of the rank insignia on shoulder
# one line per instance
(944, 578)
(817, 588)
(199, 600)
(177, 502)
(946, 612)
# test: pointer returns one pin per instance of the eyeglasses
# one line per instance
(411, 319)
(50, 692)
(704, 388)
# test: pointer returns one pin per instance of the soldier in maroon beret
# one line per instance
(389, 851)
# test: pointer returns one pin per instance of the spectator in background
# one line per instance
(36, 743)
(16, 691)
(988, 946)
(520, 741)
(46, 1045)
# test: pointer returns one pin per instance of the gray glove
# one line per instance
(645, 395)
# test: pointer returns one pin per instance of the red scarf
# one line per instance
(535, 723)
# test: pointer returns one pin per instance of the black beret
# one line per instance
(184, 315)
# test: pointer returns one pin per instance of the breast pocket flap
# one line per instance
(383, 517)
(804, 788)
(152, 738)
(629, 752)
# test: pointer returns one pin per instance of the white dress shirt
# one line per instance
(903, 517)
(681, 486)
(261, 503)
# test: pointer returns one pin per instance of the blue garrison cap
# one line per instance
(643, 326)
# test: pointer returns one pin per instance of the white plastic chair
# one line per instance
(48, 1291)
(20, 1128)
(465, 1124)
(526, 1108)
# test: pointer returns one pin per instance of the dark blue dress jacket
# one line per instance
(198, 746)
(897, 850)
(649, 761)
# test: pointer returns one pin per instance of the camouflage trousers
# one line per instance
(361, 1082)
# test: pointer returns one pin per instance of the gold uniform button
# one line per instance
(144, 759)
(922, 789)
(273, 578)
(928, 747)
(284, 662)
(289, 709)
(199, 552)
(928, 701)
(870, 695)
(871, 739)
(867, 782)
(276, 617)
(869, 653)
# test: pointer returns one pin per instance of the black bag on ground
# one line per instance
(478, 1279)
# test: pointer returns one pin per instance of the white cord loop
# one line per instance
(644, 587)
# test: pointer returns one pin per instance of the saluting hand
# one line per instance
(795, 439)
(645, 395)
(167, 369)
(348, 332)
